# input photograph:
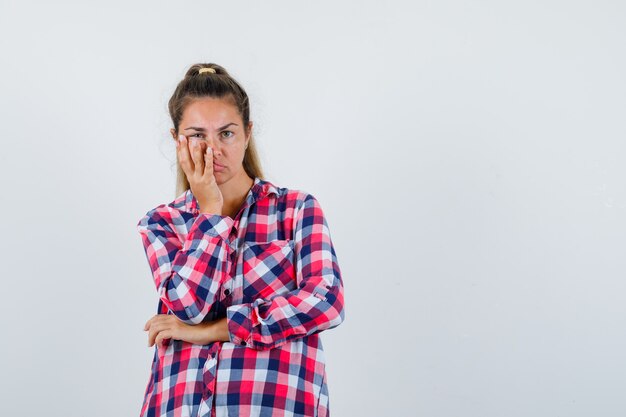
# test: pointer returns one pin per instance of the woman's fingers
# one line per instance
(150, 321)
(165, 334)
(184, 156)
(154, 325)
(155, 328)
(164, 326)
(208, 162)
(196, 155)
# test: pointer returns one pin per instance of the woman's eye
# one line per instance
(228, 131)
(196, 134)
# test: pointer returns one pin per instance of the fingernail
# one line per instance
(208, 150)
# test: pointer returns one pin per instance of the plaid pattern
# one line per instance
(273, 273)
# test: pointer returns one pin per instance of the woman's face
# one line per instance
(218, 125)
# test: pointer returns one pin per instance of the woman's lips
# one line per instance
(217, 167)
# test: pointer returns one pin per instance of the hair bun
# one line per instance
(206, 68)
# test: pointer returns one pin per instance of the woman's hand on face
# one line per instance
(196, 160)
(168, 326)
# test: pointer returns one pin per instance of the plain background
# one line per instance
(469, 158)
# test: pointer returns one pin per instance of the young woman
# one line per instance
(245, 271)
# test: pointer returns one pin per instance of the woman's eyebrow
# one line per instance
(201, 129)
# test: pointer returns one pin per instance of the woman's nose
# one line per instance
(213, 144)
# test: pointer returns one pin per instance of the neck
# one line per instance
(234, 192)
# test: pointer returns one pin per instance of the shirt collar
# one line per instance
(260, 189)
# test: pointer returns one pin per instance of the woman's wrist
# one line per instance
(199, 334)
(219, 329)
(209, 332)
(210, 208)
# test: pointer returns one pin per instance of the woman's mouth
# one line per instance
(218, 167)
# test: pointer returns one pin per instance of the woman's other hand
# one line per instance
(196, 160)
(168, 326)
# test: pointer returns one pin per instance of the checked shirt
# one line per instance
(272, 272)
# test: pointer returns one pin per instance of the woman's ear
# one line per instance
(173, 132)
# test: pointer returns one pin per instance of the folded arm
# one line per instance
(317, 303)
(189, 270)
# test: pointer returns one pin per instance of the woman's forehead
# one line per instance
(211, 113)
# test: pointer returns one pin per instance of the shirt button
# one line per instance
(226, 291)
(243, 342)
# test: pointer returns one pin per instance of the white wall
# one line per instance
(469, 157)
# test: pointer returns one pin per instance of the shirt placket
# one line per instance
(228, 287)
(209, 373)
(233, 291)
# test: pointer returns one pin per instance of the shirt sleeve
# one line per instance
(187, 271)
(317, 303)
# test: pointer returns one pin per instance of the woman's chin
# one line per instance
(219, 178)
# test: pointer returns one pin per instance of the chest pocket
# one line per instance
(268, 269)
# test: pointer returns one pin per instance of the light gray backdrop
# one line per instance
(469, 157)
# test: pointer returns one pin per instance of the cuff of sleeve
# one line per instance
(239, 324)
(213, 224)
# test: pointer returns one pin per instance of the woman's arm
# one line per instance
(187, 274)
(316, 305)
(167, 326)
